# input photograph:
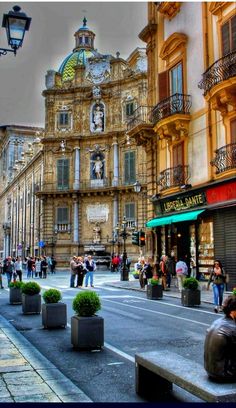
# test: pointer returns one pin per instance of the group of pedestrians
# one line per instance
(117, 262)
(32, 267)
(80, 267)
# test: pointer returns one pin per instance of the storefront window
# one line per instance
(205, 248)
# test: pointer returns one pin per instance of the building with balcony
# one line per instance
(79, 181)
(189, 130)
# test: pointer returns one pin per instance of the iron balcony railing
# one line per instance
(225, 158)
(176, 103)
(141, 115)
(223, 69)
(174, 177)
(97, 184)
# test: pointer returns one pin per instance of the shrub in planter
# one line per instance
(135, 274)
(190, 295)
(87, 329)
(15, 294)
(154, 289)
(54, 313)
(31, 298)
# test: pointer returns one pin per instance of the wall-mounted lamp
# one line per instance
(16, 24)
(185, 186)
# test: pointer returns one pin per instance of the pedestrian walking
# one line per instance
(171, 272)
(44, 266)
(73, 265)
(140, 268)
(53, 265)
(218, 279)
(9, 269)
(38, 268)
(163, 270)
(181, 272)
(1, 273)
(148, 269)
(90, 266)
(18, 268)
(30, 267)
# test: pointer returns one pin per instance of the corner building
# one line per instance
(191, 164)
(89, 165)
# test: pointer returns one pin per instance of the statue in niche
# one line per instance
(97, 167)
(97, 124)
(97, 234)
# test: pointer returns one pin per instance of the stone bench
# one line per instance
(157, 371)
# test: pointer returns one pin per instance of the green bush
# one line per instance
(86, 303)
(52, 296)
(30, 288)
(190, 283)
(154, 282)
(16, 284)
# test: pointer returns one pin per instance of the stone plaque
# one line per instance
(97, 212)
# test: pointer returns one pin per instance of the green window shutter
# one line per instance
(130, 211)
(62, 215)
(130, 170)
(62, 173)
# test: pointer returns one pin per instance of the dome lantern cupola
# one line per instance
(84, 38)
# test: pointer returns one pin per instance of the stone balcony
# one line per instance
(140, 126)
(225, 158)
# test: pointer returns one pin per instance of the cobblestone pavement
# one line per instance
(27, 376)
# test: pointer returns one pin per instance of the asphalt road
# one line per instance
(132, 324)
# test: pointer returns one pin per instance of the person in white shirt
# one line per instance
(181, 273)
(18, 268)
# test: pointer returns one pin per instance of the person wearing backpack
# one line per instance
(181, 272)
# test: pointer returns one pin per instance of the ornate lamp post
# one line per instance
(16, 24)
(124, 234)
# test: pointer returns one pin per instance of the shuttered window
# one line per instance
(62, 215)
(130, 211)
(228, 36)
(129, 171)
(62, 174)
(233, 131)
(178, 154)
(129, 108)
(163, 85)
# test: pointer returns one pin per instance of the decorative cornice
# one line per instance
(216, 7)
(173, 43)
(173, 128)
(147, 32)
(169, 9)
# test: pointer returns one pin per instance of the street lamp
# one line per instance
(124, 269)
(16, 24)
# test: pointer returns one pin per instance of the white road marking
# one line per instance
(118, 363)
(159, 313)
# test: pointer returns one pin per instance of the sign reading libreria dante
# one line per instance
(181, 203)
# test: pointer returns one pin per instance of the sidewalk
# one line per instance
(27, 376)
(133, 284)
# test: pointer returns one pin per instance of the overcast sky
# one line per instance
(50, 39)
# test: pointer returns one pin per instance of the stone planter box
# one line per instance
(15, 296)
(190, 297)
(87, 332)
(154, 292)
(31, 304)
(54, 315)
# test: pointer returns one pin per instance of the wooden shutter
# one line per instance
(130, 211)
(178, 154)
(130, 167)
(233, 34)
(233, 131)
(62, 215)
(63, 173)
(225, 34)
(163, 85)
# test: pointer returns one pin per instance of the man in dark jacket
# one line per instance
(220, 345)
(8, 268)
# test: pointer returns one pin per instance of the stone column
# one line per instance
(115, 180)
(115, 211)
(76, 220)
(77, 169)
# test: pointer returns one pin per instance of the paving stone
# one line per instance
(30, 389)
(75, 398)
(25, 377)
(38, 398)
(63, 387)
(5, 400)
(9, 369)
(51, 374)
(4, 393)
(12, 361)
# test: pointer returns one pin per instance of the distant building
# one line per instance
(79, 179)
(191, 51)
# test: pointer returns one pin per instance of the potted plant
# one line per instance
(15, 294)
(31, 298)
(87, 329)
(54, 313)
(191, 294)
(135, 274)
(154, 289)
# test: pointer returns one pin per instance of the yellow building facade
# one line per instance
(190, 132)
(82, 166)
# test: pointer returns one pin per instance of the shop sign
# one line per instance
(184, 203)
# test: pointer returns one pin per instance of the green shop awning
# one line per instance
(171, 219)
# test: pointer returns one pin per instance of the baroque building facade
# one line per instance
(188, 129)
(82, 166)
